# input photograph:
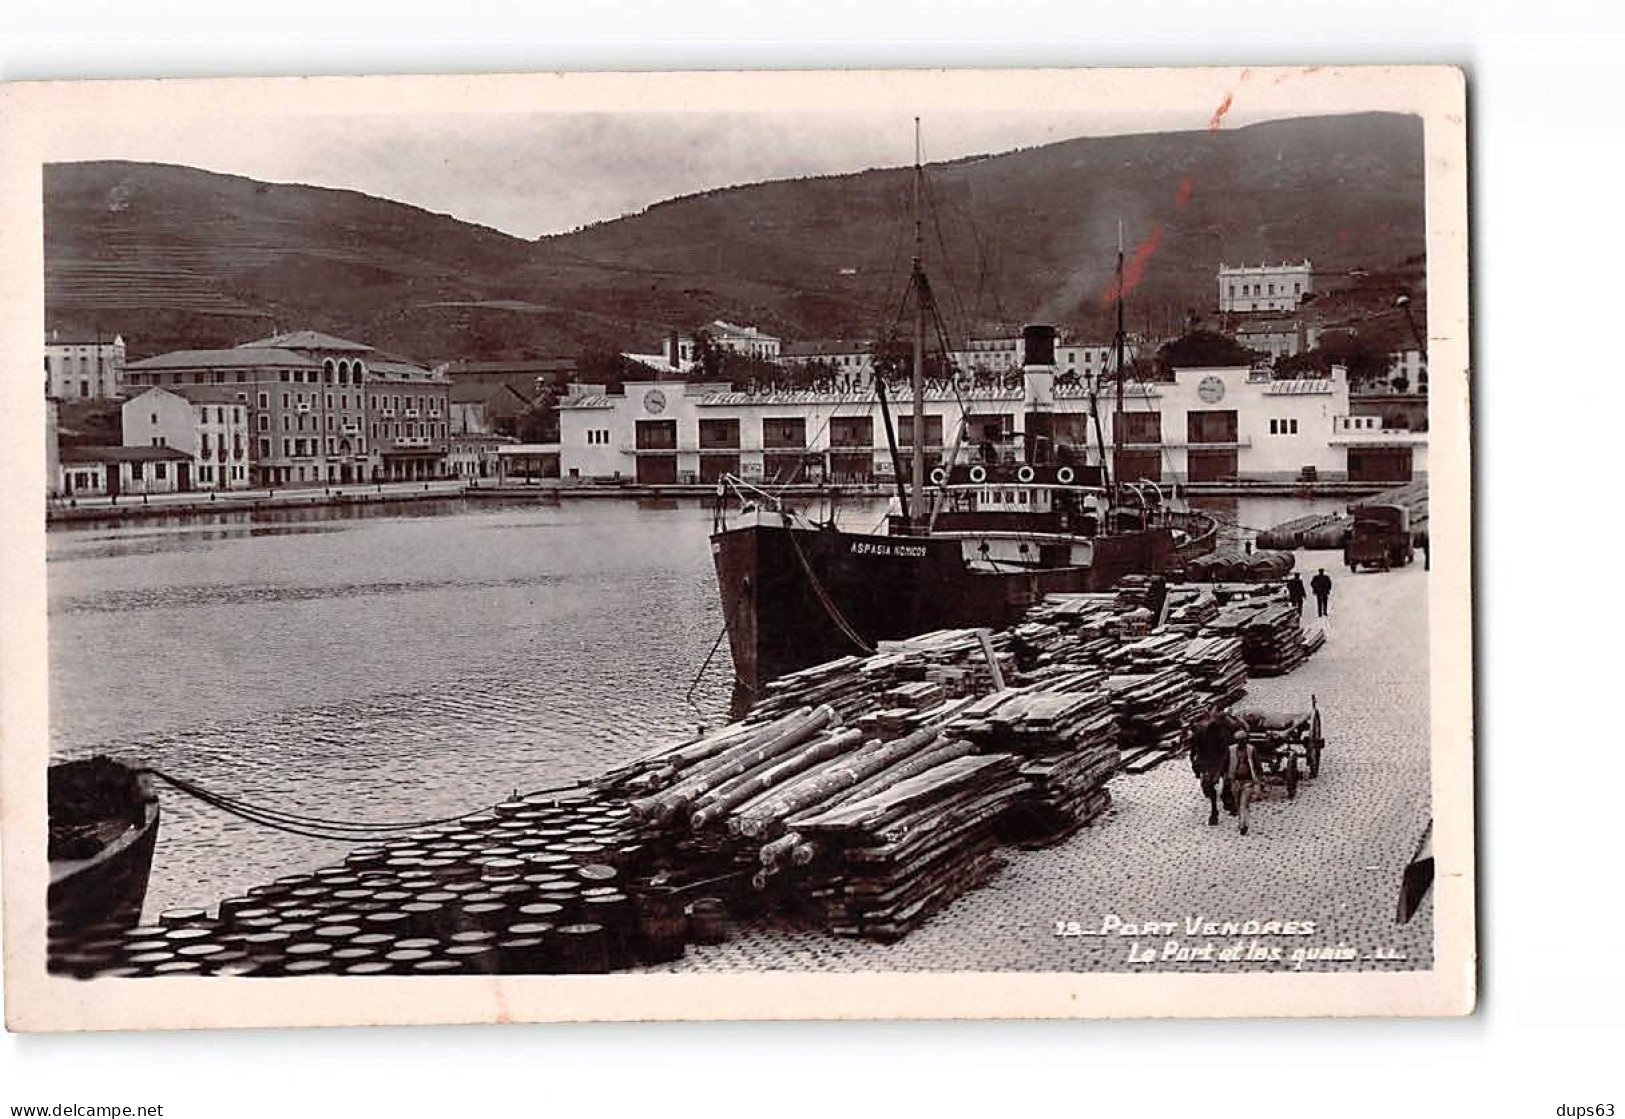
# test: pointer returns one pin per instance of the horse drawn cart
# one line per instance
(1286, 744)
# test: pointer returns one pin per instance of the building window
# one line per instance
(1294, 424)
(283, 377)
(265, 400)
(265, 448)
(160, 471)
(1275, 427)
(285, 400)
(287, 448)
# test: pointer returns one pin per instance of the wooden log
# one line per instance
(734, 763)
(776, 774)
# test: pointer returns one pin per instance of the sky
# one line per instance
(530, 174)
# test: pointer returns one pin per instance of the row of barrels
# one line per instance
(536, 886)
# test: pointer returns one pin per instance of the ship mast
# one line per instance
(918, 381)
(1117, 420)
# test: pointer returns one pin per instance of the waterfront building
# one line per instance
(1264, 287)
(408, 420)
(309, 409)
(53, 459)
(473, 455)
(1204, 425)
(83, 366)
(101, 471)
(209, 422)
(480, 408)
(275, 386)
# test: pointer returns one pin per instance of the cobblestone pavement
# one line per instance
(1333, 856)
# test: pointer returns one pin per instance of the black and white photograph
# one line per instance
(599, 546)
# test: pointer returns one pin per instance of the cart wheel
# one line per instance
(1314, 758)
(1291, 778)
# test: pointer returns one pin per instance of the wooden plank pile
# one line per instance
(1272, 641)
(1065, 734)
(1190, 608)
(1219, 669)
(887, 862)
(1155, 713)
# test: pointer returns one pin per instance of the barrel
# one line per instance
(476, 958)
(403, 960)
(423, 918)
(179, 967)
(662, 926)
(613, 911)
(231, 908)
(522, 955)
(179, 918)
(708, 921)
(394, 922)
(368, 967)
(483, 915)
(436, 967)
(583, 949)
(308, 966)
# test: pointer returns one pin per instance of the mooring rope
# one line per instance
(318, 827)
(828, 603)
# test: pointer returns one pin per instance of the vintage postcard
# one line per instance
(736, 545)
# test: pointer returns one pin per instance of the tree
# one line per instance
(1364, 360)
(1199, 348)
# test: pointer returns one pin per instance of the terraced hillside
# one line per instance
(172, 256)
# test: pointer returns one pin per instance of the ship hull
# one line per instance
(794, 597)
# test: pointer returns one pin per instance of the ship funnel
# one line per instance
(1038, 346)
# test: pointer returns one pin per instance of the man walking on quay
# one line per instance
(1295, 593)
(1321, 584)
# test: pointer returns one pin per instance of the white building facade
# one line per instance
(1265, 287)
(208, 422)
(80, 367)
(1206, 425)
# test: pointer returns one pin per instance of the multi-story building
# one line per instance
(680, 351)
(473, 455)
(308, 407)
(480, 408)
(1207, 424)
(208, 422)
(408, 420)
(851, 363)
(83, 366)
(1264, 287)
(274, 385)
(1278, 337)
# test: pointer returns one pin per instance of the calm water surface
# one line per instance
(388, 664)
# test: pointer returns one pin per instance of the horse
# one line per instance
(1210, 761)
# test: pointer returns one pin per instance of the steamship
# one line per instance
(974, 543)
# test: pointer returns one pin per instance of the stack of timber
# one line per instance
(1272, 641)
(888, 861)
(1219, 669)
(1190, 608)
(1155, 714)
(1065, 734)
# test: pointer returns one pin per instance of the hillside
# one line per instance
(172, 256)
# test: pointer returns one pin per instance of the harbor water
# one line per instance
(393, 663)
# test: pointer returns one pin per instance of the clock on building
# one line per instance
(1210, 389)
(654, 402)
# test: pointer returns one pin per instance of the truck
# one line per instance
(1380, 537)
